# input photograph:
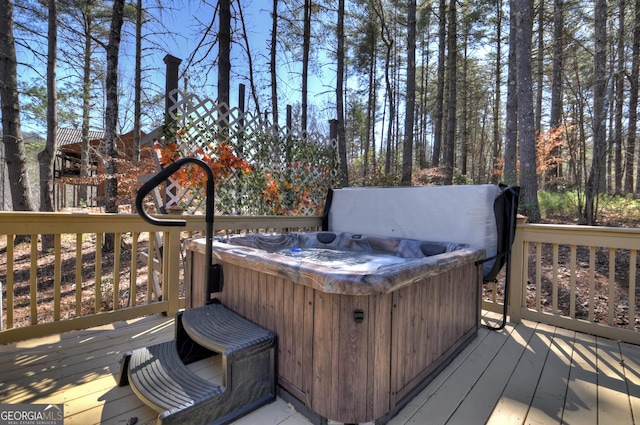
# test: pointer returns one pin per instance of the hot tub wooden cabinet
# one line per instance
(347, 353)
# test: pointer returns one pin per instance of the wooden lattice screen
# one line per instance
(289, 173)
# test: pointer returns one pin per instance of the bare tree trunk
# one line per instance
(272, 63)
(46, 157)
(407, 155)
(497, 143)
(526, 119)
(111, 112)
(596, 173)
(438, 112)
(633, 103)
(511, 139)
(452, 62)
(86, 103)
(540, 67)
(371, 103)
(389, 94)
(342, 144)
(306, 49)
(556, 85)
(224, 56)
(608, 181)
(392, 108)
(424, 30)
(252, 82)
(464, 125)
(373, 106)
(137, 104)
(15, 154)
(619, 101)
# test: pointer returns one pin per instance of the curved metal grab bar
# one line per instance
(164, 174)
(212, 272)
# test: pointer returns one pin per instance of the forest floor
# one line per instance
(23, 259)
(45, 280)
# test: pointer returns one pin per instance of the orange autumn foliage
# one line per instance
(222, 161)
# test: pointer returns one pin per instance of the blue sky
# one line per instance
(179, 17)
(257, 15)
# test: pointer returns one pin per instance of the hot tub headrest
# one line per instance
(471, 214)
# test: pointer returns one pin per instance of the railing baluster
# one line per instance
(592, 282)
(633, 255)
(554, 290)
(494, 291)
(116, 271)
(33, 281)
(57, 276)
(150, 267)
(612, 286)
(573, 271)
(522, 275)
(538, 305)
(134, 269)
(171, 268)
(98, 268)
(10, 281)
(79, 270)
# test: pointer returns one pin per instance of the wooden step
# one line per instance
(160, 378)
(219, 329)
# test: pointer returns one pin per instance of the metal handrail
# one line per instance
(212, 272)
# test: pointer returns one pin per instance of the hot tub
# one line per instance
(363, 323)
(345, 263)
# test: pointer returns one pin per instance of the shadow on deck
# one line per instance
(526, 373)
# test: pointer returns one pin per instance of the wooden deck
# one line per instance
(529, 373)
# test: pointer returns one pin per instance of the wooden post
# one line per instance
(333, 129)
(241, 106)
(333, 132)
(172, 63)
(518, 276)
(171, 269)
(288, 142)
(241, 92)
(170, 99)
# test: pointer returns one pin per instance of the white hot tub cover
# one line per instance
(461, 214)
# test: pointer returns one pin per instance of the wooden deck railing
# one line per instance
(78, 284)
(576, 277)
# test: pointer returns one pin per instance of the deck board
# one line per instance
(548, 400)
(448, 397)
(581, 402)
(418, 403)
(481, 400)
(613, 407)
(526, 373)
(631, 362)
(517, 395)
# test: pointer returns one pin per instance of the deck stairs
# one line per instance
(158, 374)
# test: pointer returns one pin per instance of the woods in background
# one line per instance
(543, 94)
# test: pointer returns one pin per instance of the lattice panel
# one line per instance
(287, 173)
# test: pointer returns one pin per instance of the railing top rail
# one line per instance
(608, 237)
(578, 228)
(12, 223)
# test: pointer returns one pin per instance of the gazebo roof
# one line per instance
(72, 136)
